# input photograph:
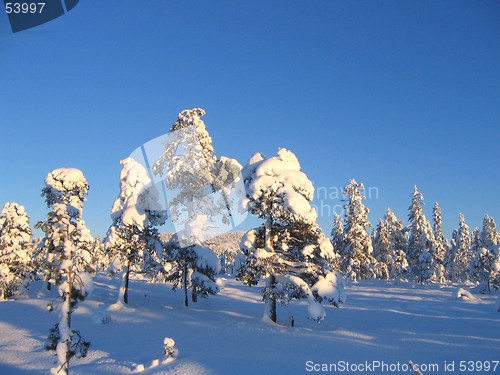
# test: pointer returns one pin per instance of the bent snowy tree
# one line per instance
(289, 250)
(132, 241)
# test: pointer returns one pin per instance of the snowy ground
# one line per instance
(226, 334)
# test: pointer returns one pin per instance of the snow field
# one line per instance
(226, 334)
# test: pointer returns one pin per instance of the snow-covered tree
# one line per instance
(132, 241)
(337, 239)
(439, 247)
(461, 251)
(440, 242)
(489, 235)
(16, 251)
(485, 265)
(357, 261)
(192, 267)
(382, 249)
(100, 259)
(485, 268)
(199, 186)
(449, 256)
(67, 187)
(289, 251)
(420, 240)
(389, 247)
(67, 243)
(476, 241)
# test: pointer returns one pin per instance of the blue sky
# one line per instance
(391, 93)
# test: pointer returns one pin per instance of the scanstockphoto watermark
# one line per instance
(376, 366)
(330, 200)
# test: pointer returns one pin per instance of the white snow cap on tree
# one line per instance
(279, 182)
(137, 195)
(67, 186)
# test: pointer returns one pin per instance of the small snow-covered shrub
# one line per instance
(169, 349)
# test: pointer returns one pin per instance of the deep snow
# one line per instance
(225, 334)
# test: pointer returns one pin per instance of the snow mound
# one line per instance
(464, 294)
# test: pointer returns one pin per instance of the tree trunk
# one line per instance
(271, 303)
(271, 280)
(268, 241)
(184, 284)
(123, 293)
(194, 297)
(126, 281)
(47, 279)
(64, 345)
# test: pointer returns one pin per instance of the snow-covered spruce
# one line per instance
(16, 251)
(460, 252)
(420, 241)
(389, 247)
(67, 242)
(100, 258)
(485, 265)
(289, 251)
(132, 241)
(357, 261)
(337, 239)
(439, 247)
(489, 234)
(199, 186)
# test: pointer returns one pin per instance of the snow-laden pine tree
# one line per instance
(389, 247)
(67, 242)
(485, 265)
(198, 186)
(132, 241)
(399, 242)
(100, 259)
(441, 244)
(439, 247)
(357, 261)
(192, 267)
(461, 253)
(489, 234)
(476, 240)
(382, 249)
(68, 187)
(16, 251)
(420, 240)
(337, 238)
(289, 251)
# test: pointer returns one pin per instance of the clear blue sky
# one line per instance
(391, 93)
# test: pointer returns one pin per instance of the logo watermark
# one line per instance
(25, 14)
(201, 193)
